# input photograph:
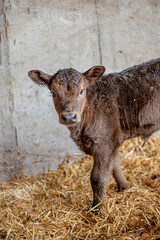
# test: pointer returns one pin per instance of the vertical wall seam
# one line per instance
(99, 35)
(0, 49)
(11, 100)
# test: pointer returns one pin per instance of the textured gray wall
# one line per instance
(53, 34)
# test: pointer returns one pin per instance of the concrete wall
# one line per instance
(53, 34)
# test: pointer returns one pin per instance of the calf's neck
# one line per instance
(101, 111)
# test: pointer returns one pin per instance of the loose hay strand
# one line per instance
(57, 204)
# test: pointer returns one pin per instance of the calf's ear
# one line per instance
(94, 73)
(39, 77)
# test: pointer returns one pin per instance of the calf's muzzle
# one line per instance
(68, 118)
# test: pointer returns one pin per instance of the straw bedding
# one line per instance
(56, 205)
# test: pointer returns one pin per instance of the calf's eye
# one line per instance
(53, 94)
(81, 92)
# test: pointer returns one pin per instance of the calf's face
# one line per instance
(68, 88)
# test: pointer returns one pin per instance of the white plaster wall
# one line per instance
(53, 34)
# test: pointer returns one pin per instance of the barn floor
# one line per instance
(56, 205)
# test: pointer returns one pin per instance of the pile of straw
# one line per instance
(56, 205)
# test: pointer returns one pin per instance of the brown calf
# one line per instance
(103, 111)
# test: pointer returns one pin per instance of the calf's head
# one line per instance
(68, 88)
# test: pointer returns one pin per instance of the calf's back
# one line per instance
(135, 95)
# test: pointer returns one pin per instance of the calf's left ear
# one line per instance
(39, 77)
(94, 73)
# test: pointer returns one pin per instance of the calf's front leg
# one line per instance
(106, 163)
(100, 175)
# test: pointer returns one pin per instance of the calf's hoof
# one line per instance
(96, 206)
(123, 186)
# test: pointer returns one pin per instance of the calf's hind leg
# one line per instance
(118, 174)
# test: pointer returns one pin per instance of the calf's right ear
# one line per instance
(39, 77)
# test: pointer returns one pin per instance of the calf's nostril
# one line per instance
(64, 119)
(74, 117)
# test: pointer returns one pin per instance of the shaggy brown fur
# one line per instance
(103, 111)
